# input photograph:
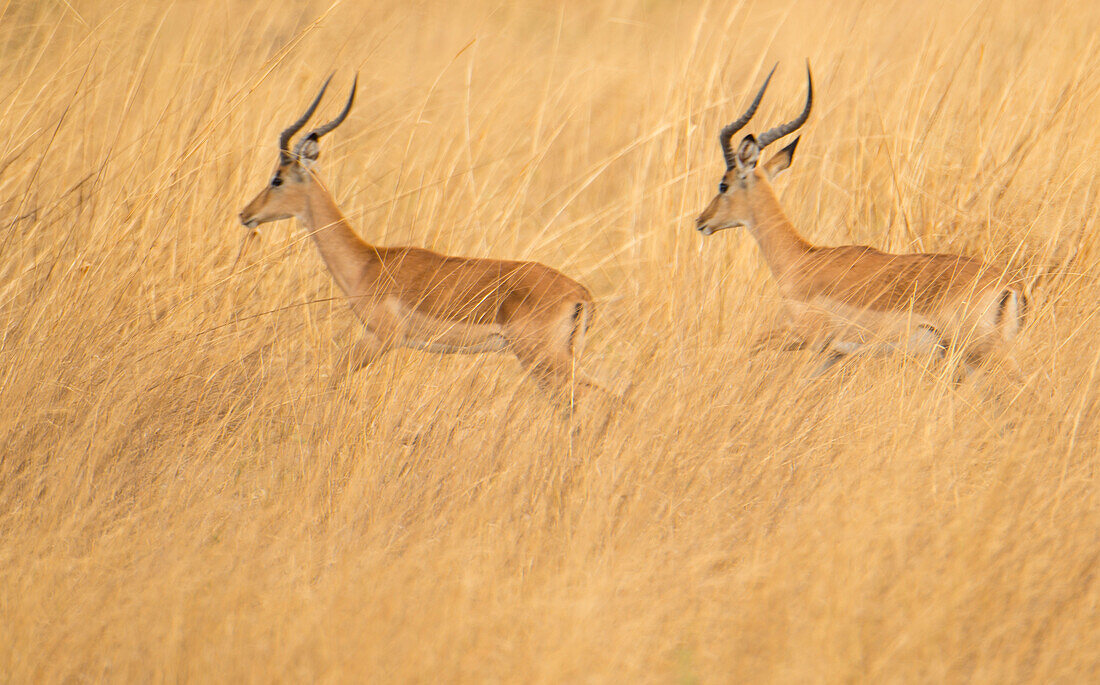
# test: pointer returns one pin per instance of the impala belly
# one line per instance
(418, 330)
(849, 327)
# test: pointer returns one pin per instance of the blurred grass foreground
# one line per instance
(180, 499)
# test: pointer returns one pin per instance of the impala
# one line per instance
(840, 301)
(416, 298)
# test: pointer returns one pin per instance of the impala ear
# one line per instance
(780, 161)
(748, 153)
(308, 151)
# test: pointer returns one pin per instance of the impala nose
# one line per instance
(248, 221)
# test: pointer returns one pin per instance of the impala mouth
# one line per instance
(251, 224)
(710, 229)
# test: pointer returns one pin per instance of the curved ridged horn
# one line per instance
(774, 134)
(728, 131)
(284, 137)
(316, 133)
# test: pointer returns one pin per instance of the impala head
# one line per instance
(285, 194)
(731, 206)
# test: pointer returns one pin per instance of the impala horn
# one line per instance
(284, 137)
(728, 131)
(774, 134)
(316, 133)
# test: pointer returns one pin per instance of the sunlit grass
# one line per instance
(181, 499)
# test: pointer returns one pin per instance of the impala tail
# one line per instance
(1011, 313)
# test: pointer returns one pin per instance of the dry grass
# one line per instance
(179, 499)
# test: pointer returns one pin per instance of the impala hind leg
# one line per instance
(549, 360)
(551, 350)
(998, 328)
(552, 369)
(558, 377)
(361, 353)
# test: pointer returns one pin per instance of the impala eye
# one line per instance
(723, 187)
(275, 182)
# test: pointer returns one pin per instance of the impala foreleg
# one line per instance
(829, 362)
(778, 339)
(361, 353)
(924, 340)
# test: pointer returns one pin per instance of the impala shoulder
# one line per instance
(827, 268)
(408, 258)
(399, 251)
(851, 251)
(845, 257)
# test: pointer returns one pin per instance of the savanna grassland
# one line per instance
(182, 499)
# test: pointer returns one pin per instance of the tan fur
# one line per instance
(416, 298)
(841, 300)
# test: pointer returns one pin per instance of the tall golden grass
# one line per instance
(181, 500)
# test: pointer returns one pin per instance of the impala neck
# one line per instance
(782, 246)
(345, 253)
